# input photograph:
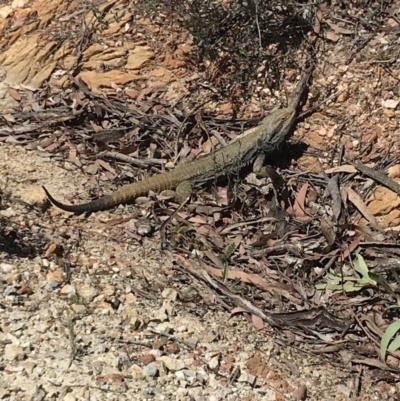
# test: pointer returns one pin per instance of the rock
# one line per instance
(69, 397)
(28, 366)
(190, 376)
(390, 103)
(173, 365)
(247, 378)
(6, 267)
(34, 196)
(9, 290)
(214, 363)
(202, 377)
(88, 293)
(8, 213)
(137, 372)
(108, 290)
(169, 293)
(67, 290)
(14, 352)
(79, 309)
(180, 375)
(165, 327)
(3, 393)
(146, 359)
(136, 322)
(55, 278)
(54, 284)
(138, 57)
(300, 393)
(172, 349)
(150, 370)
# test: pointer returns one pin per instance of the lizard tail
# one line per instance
(102, 203)
(124, 194)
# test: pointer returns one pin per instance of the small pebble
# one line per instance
(150, 370)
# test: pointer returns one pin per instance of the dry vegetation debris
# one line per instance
(95, 96)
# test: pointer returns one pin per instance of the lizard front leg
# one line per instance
(267, 171)
(181, 193)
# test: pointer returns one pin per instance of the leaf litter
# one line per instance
(256, 248)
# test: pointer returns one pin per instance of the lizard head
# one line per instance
(279, 123)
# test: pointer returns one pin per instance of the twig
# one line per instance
(182, 126)
(299, 92)
(131, 160)
(258, 28)
(164, 225)
(139, 343)
(317, 106)
(378, 176)
(171, 337)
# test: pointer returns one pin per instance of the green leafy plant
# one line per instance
(390, 341)
(77, 299)
(350, 283)
(237, 287)
(180, 232)
(225, 257)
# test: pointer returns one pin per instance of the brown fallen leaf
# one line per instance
(209, 145)
(300, 393)
(258, 323)
(332, 36)
(34, 196)
(240, 275)
(328, 231)
(73, 150)
(50, 250)
(283, 290)
(352, 246)
(257, 367)
(373, 362)
(14, 94)
(25, 289)
(344, 168)
(9, 117)
(92, 168)
(299, 204)
(237, 310)
(198, 220)
(339, 29)
(53, 146)
(322, 10)
(113, 378)
(333, 188)
(356, 200)
(117, 220)
(106, 166)
(394, 171)
(318, 19)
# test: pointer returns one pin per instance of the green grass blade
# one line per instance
(390, 332)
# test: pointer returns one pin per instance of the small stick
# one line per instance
(378, 176)
(298, 93)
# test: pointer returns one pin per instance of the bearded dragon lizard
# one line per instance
(244, 150)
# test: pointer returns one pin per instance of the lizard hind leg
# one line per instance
(181, 193)
(258, 165)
